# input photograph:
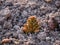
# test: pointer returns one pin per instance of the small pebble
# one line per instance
(8, 4)
(57, 42)
(6, 41)
(42, 36)
(7, 25)
(52, 23)
(57, 3)
(48, 39)
(15, 41)
(48, 1)
(16, 27)
(0, 2)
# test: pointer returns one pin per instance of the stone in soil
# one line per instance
(6, 41)
(57, 42)
(57, 3)
(7, 25)
(48, 1)
(42, 36)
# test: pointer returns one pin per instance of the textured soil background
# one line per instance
(14, 13)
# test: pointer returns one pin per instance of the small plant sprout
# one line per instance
(31, 26)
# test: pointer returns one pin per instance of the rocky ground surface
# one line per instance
(14, 13)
